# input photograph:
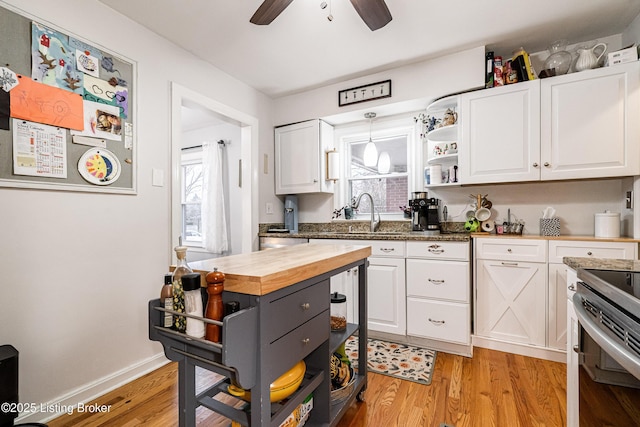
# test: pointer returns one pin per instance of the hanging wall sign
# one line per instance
(364, 93)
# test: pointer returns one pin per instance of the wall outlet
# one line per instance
(269, 208)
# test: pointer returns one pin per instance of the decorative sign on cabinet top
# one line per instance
(364, 93)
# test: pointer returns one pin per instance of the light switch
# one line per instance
(157, 177)
(269, 208)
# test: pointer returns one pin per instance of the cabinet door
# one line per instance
(511, 301)
(300, 159)
(501, 134)
(386, 295)
(573, 377)
(589, 123)
(557, 324)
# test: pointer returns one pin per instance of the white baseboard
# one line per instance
(93, 390)
(522, 349)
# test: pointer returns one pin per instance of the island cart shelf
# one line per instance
(284, 320)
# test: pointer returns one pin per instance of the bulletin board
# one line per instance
(66, 110)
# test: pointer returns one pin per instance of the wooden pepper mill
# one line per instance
(215, 308)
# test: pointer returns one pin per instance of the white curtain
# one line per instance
(214, 221)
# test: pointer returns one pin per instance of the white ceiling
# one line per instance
(301, 49)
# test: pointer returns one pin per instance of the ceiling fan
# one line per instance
(374, 13)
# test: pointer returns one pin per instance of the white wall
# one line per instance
(79, 268)
(413, 87)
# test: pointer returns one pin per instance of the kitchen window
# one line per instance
(384, 169)
(191, 199)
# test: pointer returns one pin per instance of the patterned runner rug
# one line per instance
(396, 360)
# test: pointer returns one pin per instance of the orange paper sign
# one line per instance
(46, 104)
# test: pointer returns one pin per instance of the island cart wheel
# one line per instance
(360, 396)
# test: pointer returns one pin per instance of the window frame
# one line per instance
(386, 127)
(188, 157)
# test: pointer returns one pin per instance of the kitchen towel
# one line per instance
(214, 221)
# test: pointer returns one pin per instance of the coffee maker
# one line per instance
(424, 213)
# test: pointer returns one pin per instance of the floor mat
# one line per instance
(396, 360)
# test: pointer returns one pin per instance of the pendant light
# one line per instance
(370, 156)
(384, 163)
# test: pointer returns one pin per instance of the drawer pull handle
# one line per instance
(436, 281)
(306, 341)
(589, 253)
(387, 250)
(305, 306)
(436, 249)
(512, 264)
(436, 322)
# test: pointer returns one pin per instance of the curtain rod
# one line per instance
(221, 142)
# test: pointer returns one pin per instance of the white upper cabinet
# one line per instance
(300, 157)
(501, 134)
(589, 123)
(580, 125)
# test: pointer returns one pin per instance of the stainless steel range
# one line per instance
(607, 304)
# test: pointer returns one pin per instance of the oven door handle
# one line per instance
(620, 354)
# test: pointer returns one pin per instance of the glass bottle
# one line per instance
(182, 268)
(166, 299)
(559, 59)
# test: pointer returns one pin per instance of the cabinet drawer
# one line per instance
(565, 248)
(511, 249)
(447, 280)
(393, 248)
(296, 345)
(445, 321)
(438, 250)
(292, 310)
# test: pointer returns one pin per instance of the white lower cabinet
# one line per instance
(511, 301)
(521, 289)
(438, 291)
(386, 295)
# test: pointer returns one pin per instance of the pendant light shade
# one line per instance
(384, 163)
(370, 156)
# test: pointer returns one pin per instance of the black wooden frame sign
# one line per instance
(364, 93)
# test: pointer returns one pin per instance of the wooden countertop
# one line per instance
(259, 273)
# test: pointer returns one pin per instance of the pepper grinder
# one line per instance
(215, 307)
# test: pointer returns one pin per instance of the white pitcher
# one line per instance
(587, 58)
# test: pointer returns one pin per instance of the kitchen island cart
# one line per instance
(284, 317)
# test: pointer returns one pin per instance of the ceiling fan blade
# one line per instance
(374, 13)
(268, 11)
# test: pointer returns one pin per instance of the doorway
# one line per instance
(196, 117)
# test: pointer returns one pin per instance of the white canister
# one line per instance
(607, 224)
(436, 174)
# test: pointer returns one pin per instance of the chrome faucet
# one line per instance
(374, 224)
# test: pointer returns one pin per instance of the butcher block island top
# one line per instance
(259, 273)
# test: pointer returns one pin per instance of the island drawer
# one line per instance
(379, 248)
(566, 248)
(445, 321)
(289, 311)
(435, 279)
(438, 250)
(285, 352)
(511, 249)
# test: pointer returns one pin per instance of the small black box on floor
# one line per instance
(8, 382)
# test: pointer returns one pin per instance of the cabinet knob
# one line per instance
(572, 288)
(509, 250)
(546, 164)
(306, 341)
(305, 306)
(315, 181)
(535, 165)
(436, 322)
(589, 253)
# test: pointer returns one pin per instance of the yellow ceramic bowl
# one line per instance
(281, 388)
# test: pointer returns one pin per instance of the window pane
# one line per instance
(192, 181)
(191, 201)
(387, 181)
(192, 222)
(388, 193)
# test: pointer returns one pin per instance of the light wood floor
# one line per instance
(491, 389)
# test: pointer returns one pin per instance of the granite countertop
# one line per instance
(602, 264)
(359, 230)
